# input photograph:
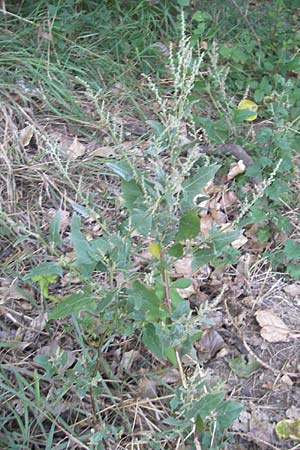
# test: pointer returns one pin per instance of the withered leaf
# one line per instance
(273, 328)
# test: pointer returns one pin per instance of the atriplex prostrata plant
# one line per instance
(160, 204)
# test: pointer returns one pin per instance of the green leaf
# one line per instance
(293, 65)
(132, 194)
(73, 303)
(176, 250)
(171, 355)
(193, 186)
(152, 341)
(292, 249)
(43, 271)
(206, 405)
(239, 115)
(81, 245)
(294, 270)
(220, 239)
(228, 411)
(189, 226)
(242, 367)
(202, 256)
(122, 169)
(144, 301)
(176, 299)
(182, 283)
(141, 221)
(217, 131)
(54, 237)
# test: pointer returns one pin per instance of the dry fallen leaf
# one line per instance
(76, 149)
(273, 328)
(103, 152)
(187, 292)
(238, 243)
(206, 222)
(183, 266)
(209, 344)
(229, 198)
(293, 289)
(236, 169)
(147, 387)
(26, 135)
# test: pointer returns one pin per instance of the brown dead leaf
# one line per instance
(183, 266)
(147, 387)
(261, 429)
(169, 376)
(203, 45)
(292, 289)
(211, 188)
(187, 292)
(103, 152)
(76, 149)
(206, 223)
(229, 199)
(236, 169)
(209, 344)
(26, 135)
(127, 360)
(238, 243)
(273, 328)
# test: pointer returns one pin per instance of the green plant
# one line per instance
(162, 210)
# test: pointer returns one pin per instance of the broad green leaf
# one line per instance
(122, 169)
(176, 299)
(294, 270)
(132, 194)
(227, 412)
(176, 250)
(141, 221)
(292, 249)
(182, 283)
(202, 256)
(293, 65)
(44, 270)
(145, 301)
(54, 236)
(73, 303)
(217, 131)
(193, 186)
(171, 355)
(189, 226)
(288, 429)
(239, 115)
(242, 367)
(206, 405)
(152, 341)
(81, 245)
(221, 239)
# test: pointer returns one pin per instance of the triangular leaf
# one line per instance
(189, 226)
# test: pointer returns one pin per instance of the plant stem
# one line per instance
(169, 306)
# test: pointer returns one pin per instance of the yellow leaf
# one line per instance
(288, 429)
(250, 106)
(155, 249)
